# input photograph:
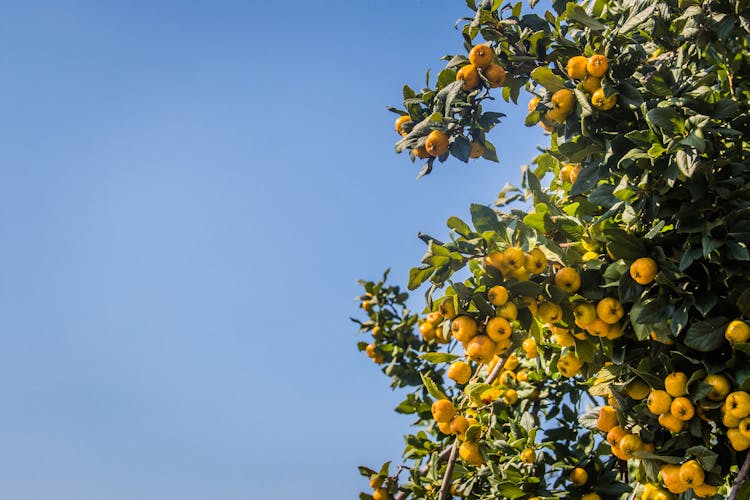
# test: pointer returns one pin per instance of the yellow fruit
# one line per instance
(728, 420)
(523, 375)
(528, 456)
(480, 349)
(574, 172)
(643, 270)
(476, 151)
(480, 55)
(381, 494)
(691, 473)
(615, 331)
(601, 102)
(376, 482)
(435, 318)
(568, 365)
(676, 384)
(578, 476)
(530, 348)
(599, 328)
(514, 258)
(591, 84)
(447, 309)
(511, 396)
(497, 295)
(563, 338)
(428, 331)
(737, 332)
(568, 279)
(671, 423)
(637, 389)
(470, 76)
(607, 419)
(521, 274)
(445, 427)
(659, 402)
(597, 65)
(670, 474)
(629, 444)
(705, 490)
(400, 122)
(589, 256)
(471, 453)
(437, 143)
(744, 427)
(495, 259)
(464, 328)
(563, 101)
(507, 377)
(512, 362)
(458, 425)
(610, 310)
(615, 434)
(584, 314)
(508, 311)
(577, 67)
(591, 496)
(490, 395)
(459, 372)
(443, 410)
(495, 74)
(738, 404)
(550, 313)
(535, 261)
(682, 408)
(738, 441)
(498, 329)
(421, 152)
(555, 116)
(720, 386)
(533, 103)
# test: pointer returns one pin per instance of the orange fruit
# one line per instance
(514, 258)
(528, 456)
(601, 102)
(421, 152)
(659, 402)
(643, 270)
(576, 67)
(568, 279)
(671, 423)
(532, 103)
(737, 332)
(549, 312)
(495, 74)
(691, 473)
(670, 474)
(480, 55)
(447, 309)
(508, 311)
(607, 419)
(578, 476)
(399, 123)
(610, 310)
(471, 453)
(563, 101)
(530, 348)
(481, 349)
(436, 143)
(591, 84)
(497, 295)
(498, 329)
(676, 384)
(720, 386)
(459, 372)
(464, 328)
(443, 410)
(682, 408)
(470, 76)
(597, 65)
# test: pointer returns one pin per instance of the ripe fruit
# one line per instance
(599, 328)
(563, 101)
(576, 67)
(497, 295)
(498, 329)
(584, 314)
(400, 121)
(601, 102)
(691, 473)
(511, 396)
(591, 84)
(476, 151)
(659, 402)
(535, 261)
(610, 310)
(421, 152)
(670, 474)
(615, 434)
(607, 419)
(464, 328)
(737, 332)
(530, 348)
(447, 309)
(532, 104)
(428, 331)
(591, 496)
(459, 372)
(568, 365)
(671, 423)
(738, 441)
(458, 425)
(436, 143)
(480, 55)
(578, 476)
(738, 404)
(495, 74)
(470, 76)
(381, 494)
(471, 453)
(481, 349)
(568, 279)
(643, 270)
(637, 389)
(705, 490)
(495, 259)
(720, 386)
(528, 456)
(514, 258)
(629, 444)
(682, 408)
(597, 65)
(555, 116)
(744, 427)
(676, 384)
(549, 312)
(508, 311)
(443, 410)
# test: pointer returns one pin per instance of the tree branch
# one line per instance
(445, 489)
(740, 478)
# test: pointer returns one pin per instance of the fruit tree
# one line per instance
(587, 336)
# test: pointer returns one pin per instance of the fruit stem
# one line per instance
(740, 478)
(445, 492)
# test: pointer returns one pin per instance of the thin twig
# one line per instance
(740, 478)
(445, 489)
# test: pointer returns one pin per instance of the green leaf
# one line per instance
(439, 357)
(705, 457)
(484, 218)
(706, 336)
(637, 18)
(547, 79)
(510, 490)
(418, 275)
(432, 387)
(459, 226)
(575, 12)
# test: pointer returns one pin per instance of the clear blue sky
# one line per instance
(189, 192)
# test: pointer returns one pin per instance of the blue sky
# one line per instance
(190, 191)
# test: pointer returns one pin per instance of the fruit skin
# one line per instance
(569, 364)
(436, 143)
(738, 404)
(721, 386)
(528, 456)
(576, 67)
(400, 121)
(643, 270)
(659, 402)
(498, 329)
(637, 389)
(671, 423)
(458, 425)
(508, 311)
(443, 410)
(615, 434)
(629, 444)
(421, 152)
(532, 104)
(737, 332)
(481, 349)
(495, 74)
(670, 474)
(471, 453)
(601, 102)
(738, 441)
(563, 101)
(555, 116)
(530, 348)
(459, 372)
(607, 419)
(514, 258)
(584, 314)
(597, 65)
(568, 279)
(691, 473)
(682, 408)
(705, 490)
(610, 310)
(497, 295)
(535, 261)
(549, 312)
(578, 476)
(591, 84)
(591, 496)
(480, 55)
(470, 76)
(464, 328)
(676, 384)
(381, 494)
